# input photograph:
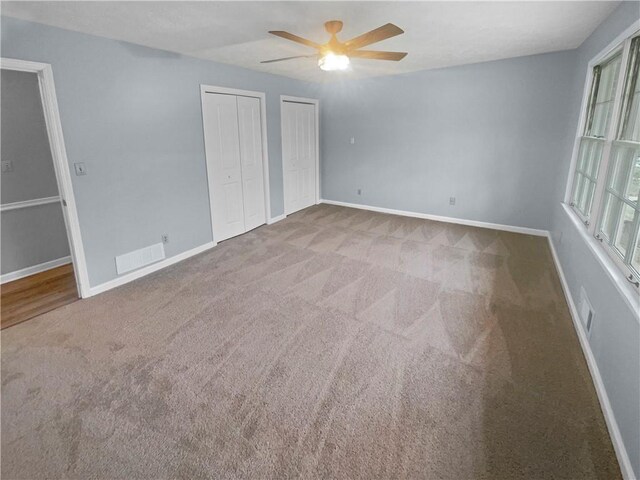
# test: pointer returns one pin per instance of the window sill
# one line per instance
(628, 291)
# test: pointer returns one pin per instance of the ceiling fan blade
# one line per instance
(288, 58)
(381, 33)
(295, 38)
(374, 55)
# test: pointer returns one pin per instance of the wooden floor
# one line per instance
(31, 296)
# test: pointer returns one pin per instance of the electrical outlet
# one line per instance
(359, 191)
(165, 238)
(452, 200)
(7, 166)
(80, 168)
(352, 140)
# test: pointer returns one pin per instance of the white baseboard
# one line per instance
(605, 404)
(129, 277)
(438, 218)
(42, 267)
(273, 220)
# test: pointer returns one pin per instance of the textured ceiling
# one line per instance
(438, 34)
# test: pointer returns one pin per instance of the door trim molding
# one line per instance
(316, 103)
(53, 124)
(204, 89)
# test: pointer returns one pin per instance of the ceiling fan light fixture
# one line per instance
(331, 62)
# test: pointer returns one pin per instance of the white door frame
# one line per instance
(316, 104)
(204, 89)
(60, 164)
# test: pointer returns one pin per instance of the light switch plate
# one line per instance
(80, 168)
(7, 166)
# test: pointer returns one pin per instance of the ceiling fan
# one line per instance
(334, 55)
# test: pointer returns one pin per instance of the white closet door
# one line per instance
(220, 116)
(307, 154)
(299, 155)
(250, 128)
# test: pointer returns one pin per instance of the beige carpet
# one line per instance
(337, 343)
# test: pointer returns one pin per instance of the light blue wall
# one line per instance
(615, 338)
(488, 134)
(133, 116)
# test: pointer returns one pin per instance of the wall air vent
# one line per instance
(586, 312)
(139, 258)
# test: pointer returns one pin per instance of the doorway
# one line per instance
(42, 259)
(234, 125)
(300, 152)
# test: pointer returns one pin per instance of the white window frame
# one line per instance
(592, 222)
(608, 138)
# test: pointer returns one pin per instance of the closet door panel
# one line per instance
(220, 116)
(250, 132)
(299, 155)
(307, 155)
(289, 156)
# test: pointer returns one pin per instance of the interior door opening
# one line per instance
(37, 269)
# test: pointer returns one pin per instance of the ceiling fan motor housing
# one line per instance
(333, 26)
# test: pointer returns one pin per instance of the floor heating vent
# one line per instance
(139, 258)
(586, 311)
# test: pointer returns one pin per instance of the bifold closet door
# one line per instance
(250, 128)
(299, 155)
(233, 141)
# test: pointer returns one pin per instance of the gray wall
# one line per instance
(133, 115)
(33, 235)
(615, 338)
(488, 134)
(24, 139)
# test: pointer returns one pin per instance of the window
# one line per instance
(600, 108)
(606, 180)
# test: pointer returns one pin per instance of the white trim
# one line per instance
(602, 55)
(605, 404)
(603, 168)
(204, 89)
(28, 203)
(316, 103)
(41, 267)
(129, 277)
(438, 218)
(627, 291)
(60, 164)
(273, 220)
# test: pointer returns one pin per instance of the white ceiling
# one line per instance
(437, 34)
